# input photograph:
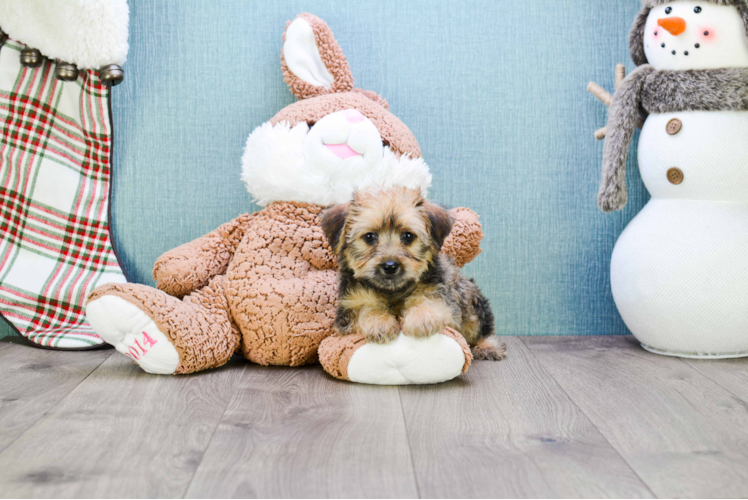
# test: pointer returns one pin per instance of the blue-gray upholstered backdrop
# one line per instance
(493, 90)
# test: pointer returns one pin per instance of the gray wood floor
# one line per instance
(561, 417)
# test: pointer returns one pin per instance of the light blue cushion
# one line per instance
(493, 90)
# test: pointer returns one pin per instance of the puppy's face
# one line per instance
(387, 238)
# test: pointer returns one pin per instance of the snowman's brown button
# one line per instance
(674, 126)
(675, 176)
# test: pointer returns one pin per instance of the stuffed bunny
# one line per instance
(265, 284)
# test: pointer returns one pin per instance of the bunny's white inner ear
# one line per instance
(302, 55)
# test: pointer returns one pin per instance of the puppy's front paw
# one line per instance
(380, 329)
(423, 321)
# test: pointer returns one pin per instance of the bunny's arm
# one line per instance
(317, 251)
(622, 120)
(463, 242)
(191, 266)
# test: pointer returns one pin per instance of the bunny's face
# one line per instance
(344, 140)
(335, 139)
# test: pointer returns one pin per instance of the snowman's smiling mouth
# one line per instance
(342, 151)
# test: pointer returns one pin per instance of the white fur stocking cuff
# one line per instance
(87, 33)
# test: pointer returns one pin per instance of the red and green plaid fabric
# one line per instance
(55, 148)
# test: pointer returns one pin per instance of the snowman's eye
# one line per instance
(697, 10)
(668, 10)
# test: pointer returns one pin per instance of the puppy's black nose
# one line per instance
(390, 267)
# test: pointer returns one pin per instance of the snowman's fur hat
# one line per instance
(636, 37)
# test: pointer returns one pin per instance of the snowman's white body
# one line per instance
(679, 271)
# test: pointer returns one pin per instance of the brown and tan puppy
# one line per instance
(394, 278)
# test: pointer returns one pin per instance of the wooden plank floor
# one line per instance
(560, 417)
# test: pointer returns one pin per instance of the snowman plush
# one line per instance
(679, 272)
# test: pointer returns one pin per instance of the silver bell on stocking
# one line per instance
(66, 72)
(112, 73)
(31, 58)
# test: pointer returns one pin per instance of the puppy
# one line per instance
(393, 277)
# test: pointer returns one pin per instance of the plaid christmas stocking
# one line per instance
(55, 180)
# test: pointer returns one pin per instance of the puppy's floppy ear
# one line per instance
(333, 224)
(440, 223)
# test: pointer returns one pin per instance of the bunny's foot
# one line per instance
(405, 360)
(133, 333)
(162, 334)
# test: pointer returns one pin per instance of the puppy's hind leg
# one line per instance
(489, 348)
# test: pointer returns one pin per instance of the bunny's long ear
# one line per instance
(312, 61)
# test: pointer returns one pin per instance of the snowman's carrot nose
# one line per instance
(674, 25)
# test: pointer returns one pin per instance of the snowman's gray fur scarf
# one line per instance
(636, 37)
(647, 90)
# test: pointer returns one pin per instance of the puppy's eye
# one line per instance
(370, 238)
(668, 10)
(697, 10)
(407, 237)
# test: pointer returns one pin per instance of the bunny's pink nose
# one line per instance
(354, 116)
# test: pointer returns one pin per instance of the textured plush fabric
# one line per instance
(301, 172)
(199, 326)
(264, 284)
(701, 90)
(191, 266)
(393, 131)
(283, 279)
(89, 33)
(622, 120)
(494, 91)
(464, 241)
(336, 352)
(332, 57)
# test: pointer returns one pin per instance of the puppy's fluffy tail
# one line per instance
(488, 346)
(485, 316)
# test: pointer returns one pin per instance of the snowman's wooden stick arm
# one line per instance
(607, 99)
(620, 74)
(600, 93)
